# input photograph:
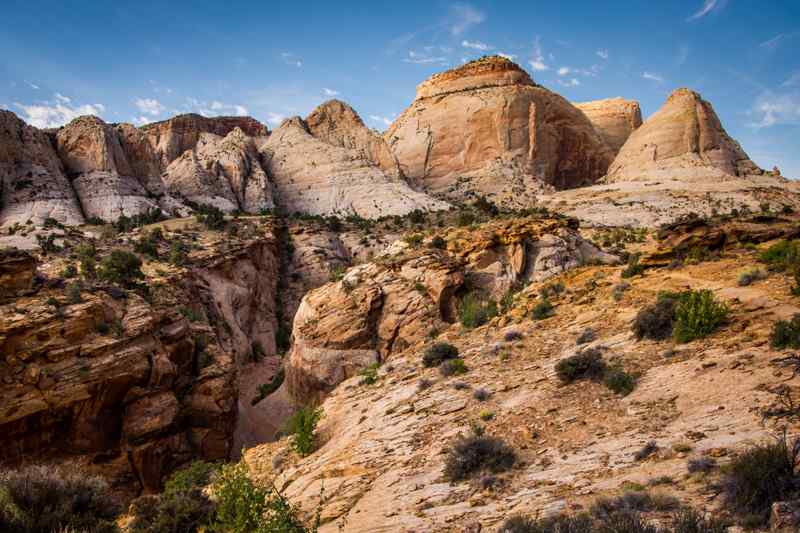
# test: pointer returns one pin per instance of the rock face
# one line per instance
(171, 138)
(17, 273)
(33, 186)
(613, 118)
(338, 124)
(315, 177)
(221, 171)
(683, 140)
(487, 128)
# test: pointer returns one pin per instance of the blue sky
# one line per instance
(144, 61)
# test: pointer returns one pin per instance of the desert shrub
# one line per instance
(656, 321)
(147, 244)
(750, 276)
(465, 218)
(619, 381)
(786, 333)
(761, 476)
(467, 456)
(697, 315)
(196, 475)
(87, 255)
(73, 293)
(42, 499)
(178, 253)
(633, 268)
(542, 310)
(625, 523)
(452, 367)
(265, 389)
(512, 335)
(474, 311)
(337, 272)
(125, 223)
(587, 364)
(633, 501)
(121, 267)
(551, 290)
(47, 243)
(417, 216)
(481, 395)
(441, 351)
(782, 255)
(211, 217)
(585, 337)
(646, 451)
(244, 507)
(369, 376)
(184, 512)
(438, 243)
(69, 271)
(690, 521)
(555, 524)
(414, 240)
(619, 290)
(424, 384)
(95, 221)
(701, 464)
(302, 426)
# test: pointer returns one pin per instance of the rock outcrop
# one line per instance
(338, 124)
(171, 138)
(613, 118)
(315, 177)
(221, 171)
(683, 140)
(33, 185)
(487, 128)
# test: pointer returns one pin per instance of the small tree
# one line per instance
(121, 267)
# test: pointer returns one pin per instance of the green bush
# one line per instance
(697, 315)
(265, 389)
(441, 351)
(178, 253)
(542, 310)
(475, 312)
(73, 293)
(185, 512)
(782, 255)
(690, 521)
(619, 381)
(438, 243)
(369, 376)
(656, 321)
(587, 364)
(452, 367)
(750, 276)
(41, 499)
(301, 426)
(211, 217)
(196, 475)
(121, 267)
(69, 271)
(761, 476)
(467, 456)
(786, 333)
(633, 268)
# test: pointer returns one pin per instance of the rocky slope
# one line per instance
(486, 128)
(614, 119)
(683, 139)
(315, 177)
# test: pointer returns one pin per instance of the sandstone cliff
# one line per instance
(337, 123)
(33, 185)
(614, 119)
(315, 177)
(683, 140)
(487, 128)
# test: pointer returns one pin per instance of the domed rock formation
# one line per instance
(487, 128)
(171, 138)
(683, 140)
(33, 185)
(224, 172)
(338, 124)
(312, 176)
(613, 118)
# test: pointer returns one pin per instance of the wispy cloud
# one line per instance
(32, 85)
(55, 113)
(537, 60)
(652, 77)
(61, 98)
(275, 119)
(150, 106)
(418, 58)
(771, 109)
(563, 71)
(475, 45)
(709, 6)
(510, 57)
(793, 80)
(329, 92)
(572, 82)
(770, 45)
(386, 121)
(291, 59)
(682, 56)
(602, 54)
(141, 120)
(214, 108)
(461, 17)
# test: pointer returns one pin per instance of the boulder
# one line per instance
(486, 128)
(613, 118)
(315, 177)
(685, 140)
(17, 273)
(33, 185)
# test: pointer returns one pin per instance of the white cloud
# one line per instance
(61, 98)
(652, 77)
(602, 54)
(563, 71)
(510, 57)
(475, 45)
(771, 109)
(150, 106)
(572, 82)
(275, 119)
(537, 61)
(462, 17)
(381, 120)
(770, 45)
(56, 113)
(214, 108)
(709, 6)
(793, 80)
(141, 120)
(424, 59)
(330, 92)
(32, 85)
(290, 59)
